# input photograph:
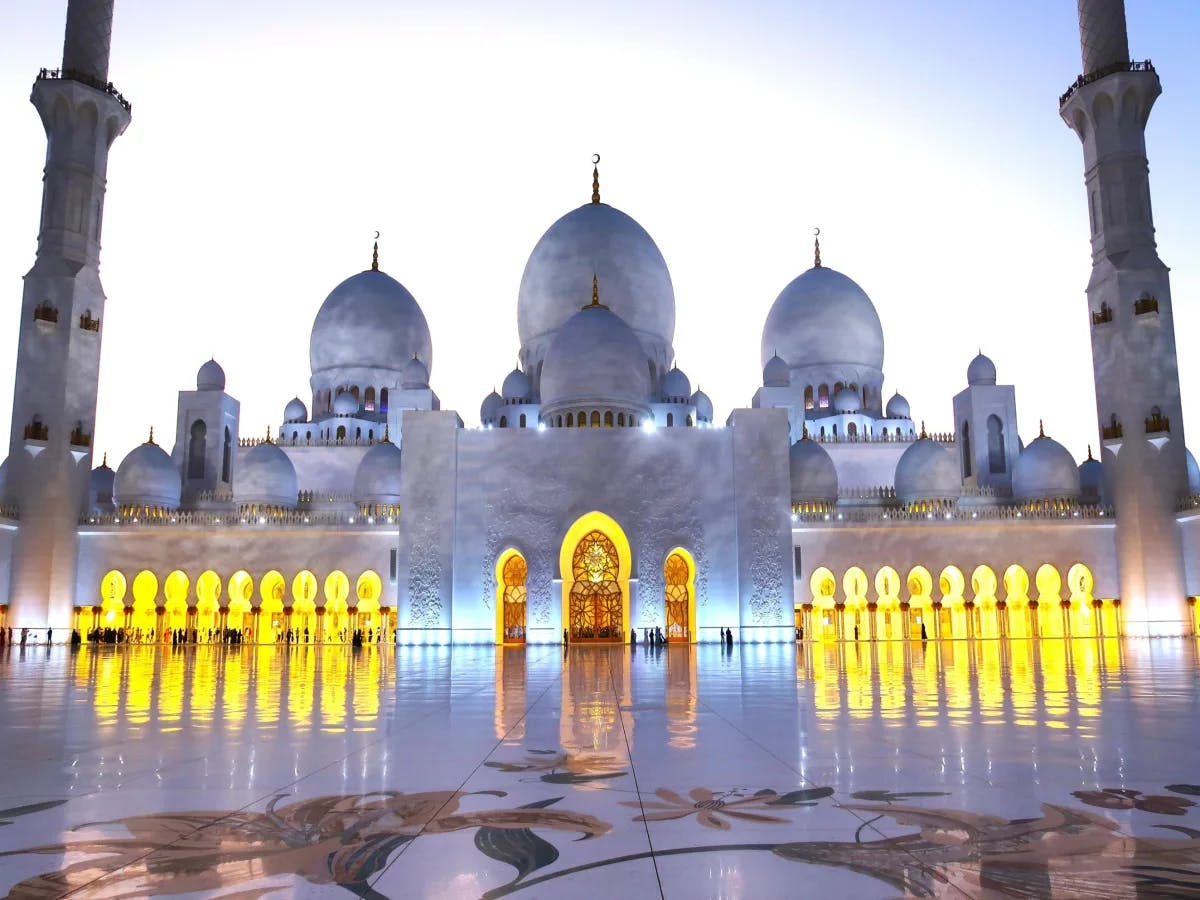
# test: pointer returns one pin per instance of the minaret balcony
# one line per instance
(1146, 306)
(44, 312)
(87, 323)
(1157, 423)
(1104, 316)
(1104, 72)
(80, 438)
(89, 80)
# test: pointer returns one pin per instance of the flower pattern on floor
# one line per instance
(563, 767)
(1122, 798)
(712, 809)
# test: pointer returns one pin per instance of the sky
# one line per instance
(270, 140)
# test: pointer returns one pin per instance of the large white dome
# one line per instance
(814, 476)
(599, 240)
(369, 321)
(823, 318)
(927, 471)
(377, 479)
(1045, 470)
(147, 478)
(266, 476)
(595, 360)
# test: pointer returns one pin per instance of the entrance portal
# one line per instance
(677, 578)
(596, 599)
(513, 595)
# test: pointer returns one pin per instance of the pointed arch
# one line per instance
(679, 595)
(512, 573)
(595, 561)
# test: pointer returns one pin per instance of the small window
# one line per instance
(570, 420)
(620, 420)
(808, 397)
(670, 420)
(522, 420)
(383, 400)
(595, 419)
(392, 560)
(608, 419)
(504, 421)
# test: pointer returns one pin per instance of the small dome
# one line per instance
(490, 408)
(377, 479)
(897, 408)
(595, 359)
(981, 371)
(814, 476)
(517, 387)
(370, 321)
(676, 386)
(927, 471)
(344, 404)
(776, 372)
(1193, 474)
(414, 376)
(1045, 470)
(1091, 480)
(295, 411)
(210, 377)
(847, 400)
(103, 486)
(266, 476)
(597, 239)
(824, 318)
(704, 407)
(147, 477)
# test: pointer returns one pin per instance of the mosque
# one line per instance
(599, 492)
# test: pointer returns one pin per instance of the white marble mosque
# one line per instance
(599, 492)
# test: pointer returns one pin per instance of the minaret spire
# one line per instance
(88, 39)
(1138, 401)
(816, 248)
(596, 178)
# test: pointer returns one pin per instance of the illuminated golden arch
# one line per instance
(920, 586)
(1049, 584)
(241, 588)
(337, 589)
(304, 588)
(679, 595)
(887, 586)
(1016, 584)
(511, 595)
(951, 584)
(823, 586)
(272, 588)
(175, 589)
(369, 587)
(208, 591)
(145, 589)
(983, 585)
(1080, 583)
(112, 599)
(595, 555)
(854, 584)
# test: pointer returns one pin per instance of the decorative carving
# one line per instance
(425, 568)
(766, 565)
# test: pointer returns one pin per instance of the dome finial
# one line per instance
(816, 248)
(375, 254)
(268, 434)
(387, 434)
(150, 440)
(595, 177)
(104, 462)
(1090, 453)
(595, 304)
(923, 434)
(1041, 429)
(804, 436)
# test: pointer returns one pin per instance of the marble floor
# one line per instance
(986, 769)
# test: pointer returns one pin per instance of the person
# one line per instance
(801, 632)
(632, 637)
(24, 636)
(49, 635)
(306, 634)
(924, 634)
(729, 638)
(856, 632)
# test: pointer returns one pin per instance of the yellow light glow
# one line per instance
(606, 525)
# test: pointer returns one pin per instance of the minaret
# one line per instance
(62, 315)
(1132, 324)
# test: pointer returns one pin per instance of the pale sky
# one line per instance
(271, 139)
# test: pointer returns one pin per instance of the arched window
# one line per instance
(608, 419)
(370, 399)
(504, 421)
(341, 432)
(595, 418)
(620, 420)
(966, 449)
(307, 436)
(570, 420)
(226, 456)
(383, 400)
(581, 421)
(354, 393)
(558, 422)
(196, 447)
(808, 397)
(522, 420)
(358, 434)
(835, 431)
(997, 464)
(823, 396)
(852, 429)
(837, 387)
(371, 435)
(689, 421)
(670, 420)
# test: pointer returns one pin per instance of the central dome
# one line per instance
(595, 360)
(823, 318)
(369, 321)
(599, 240)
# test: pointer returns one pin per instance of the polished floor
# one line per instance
(958, 769)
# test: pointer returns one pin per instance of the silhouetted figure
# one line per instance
(24, 636)
(306, 634)
(49, 635)
(564, 637)
(76, 637)
(856, 632)
(729, 638)
(924, 633)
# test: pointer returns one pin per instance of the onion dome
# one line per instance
(210, 377)
(266, 476)
(1091, 480)
(103, 480)
(516, 388)
(704, 407)
(147, 478)
(414, 376)
(490, 408)
(847, 400)
(344, 404)
(369, 321)
(1045, 470)
(597, 239)
(377, 479)
(823, 318)
(676, 388)
(981, 371)
(898, 408)
(814, 476)
(1193, 474)
(295, 411)
(927, 471)
(776, 372)
(595, 362)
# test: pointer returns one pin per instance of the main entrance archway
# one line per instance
(595, 567)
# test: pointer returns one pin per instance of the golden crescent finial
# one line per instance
(595, 159)
(595, 177)
(816, 248)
